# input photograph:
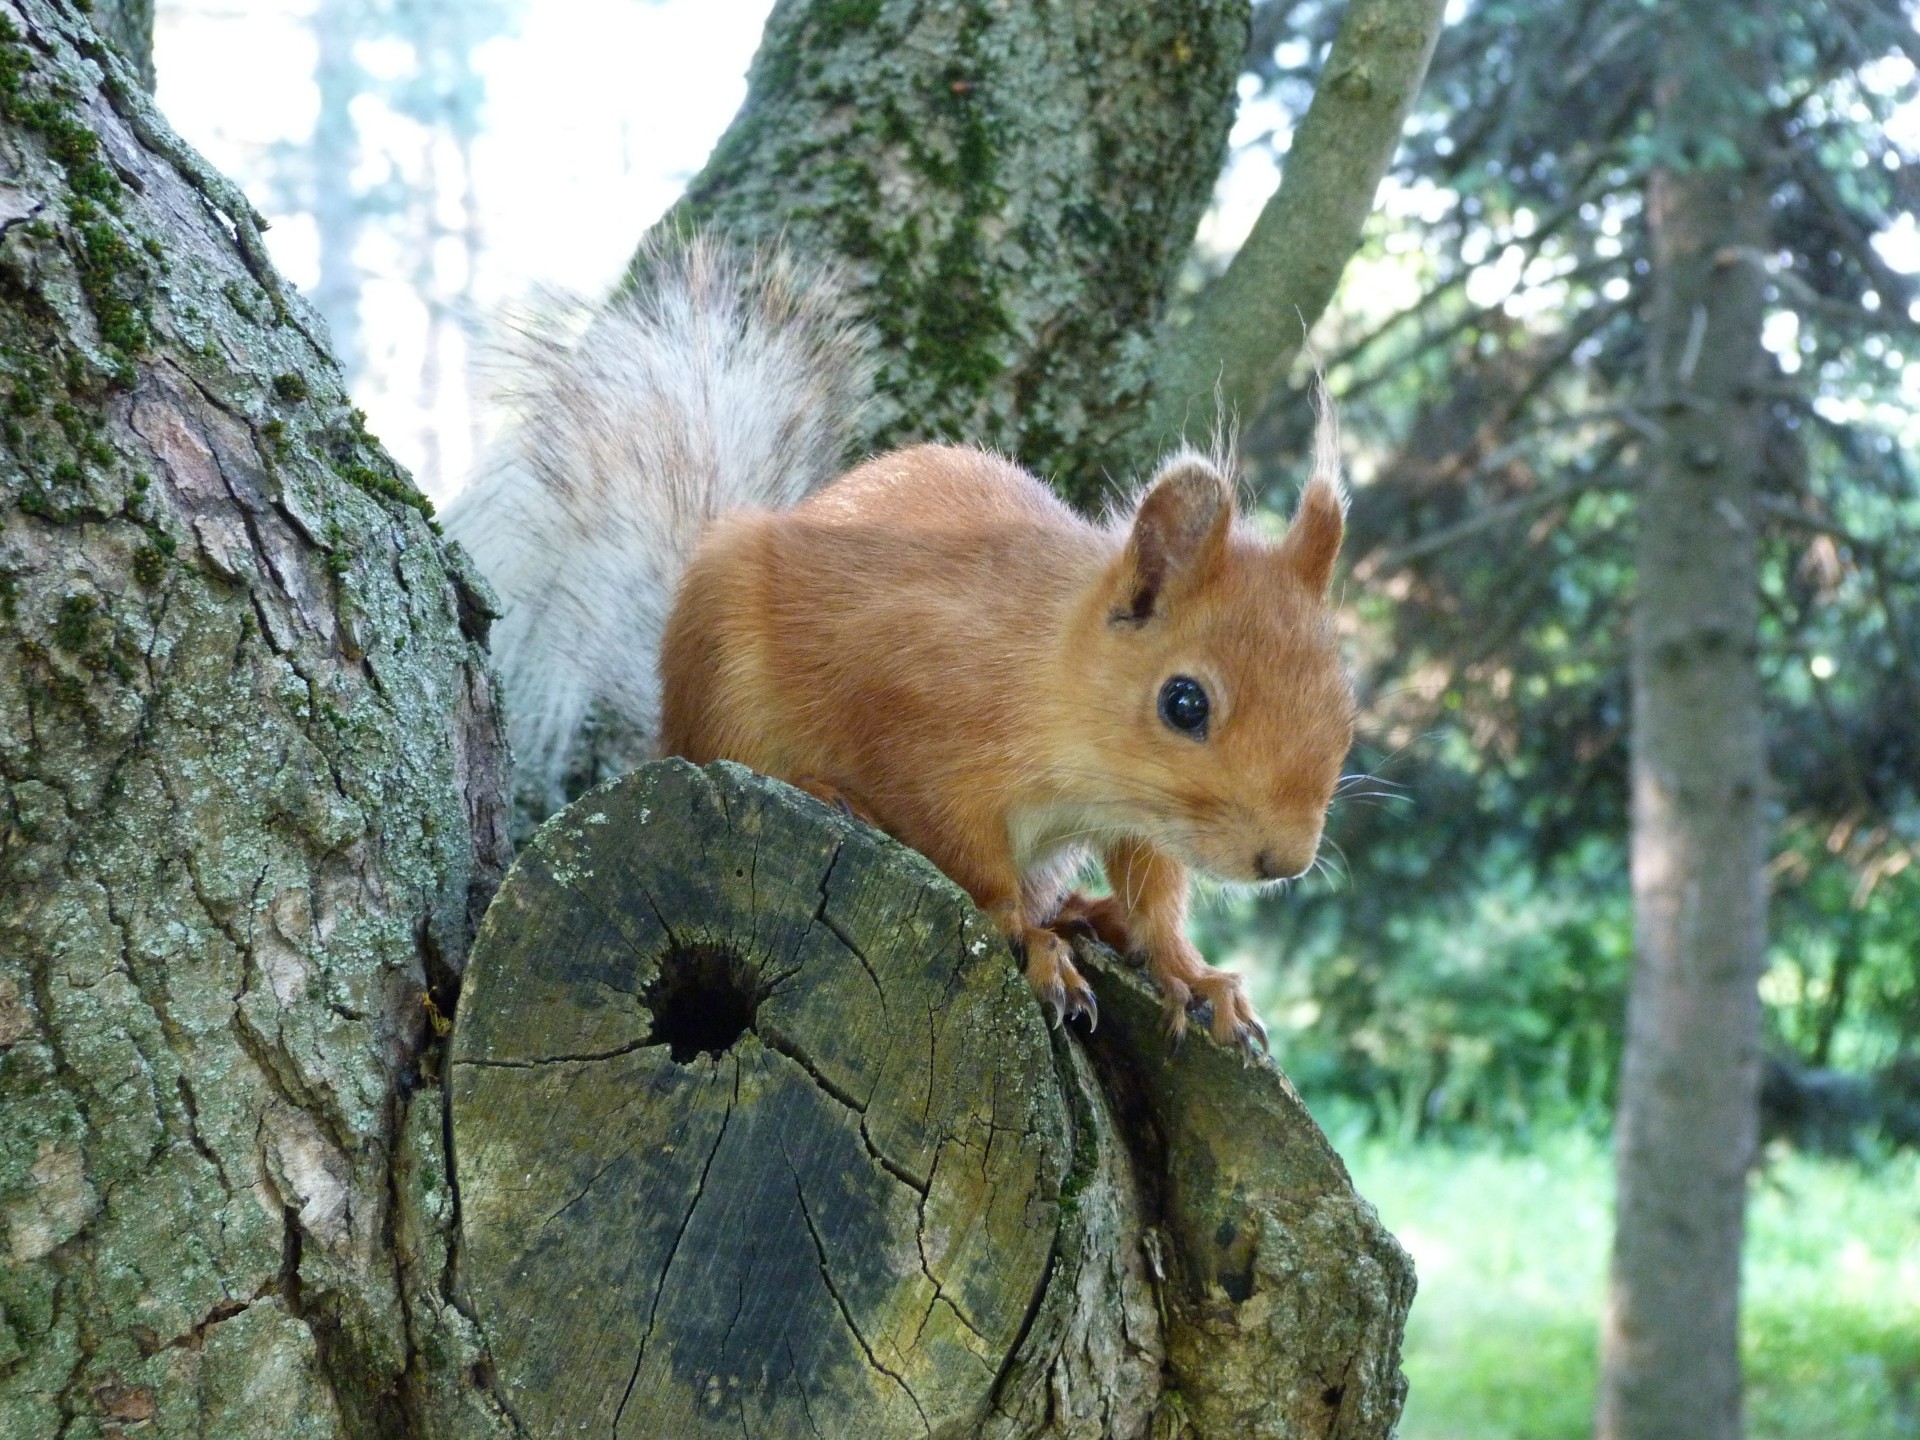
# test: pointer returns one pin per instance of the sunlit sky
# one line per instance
(597, 113)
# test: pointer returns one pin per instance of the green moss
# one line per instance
(150, 560)
(963, 326)
(359, 460)
(238, 298)
(45, 680)
(74, 147)
(290, 387)
(338, 562)
(73, 627)
(108, 270)
(832, 19)
(113, 277)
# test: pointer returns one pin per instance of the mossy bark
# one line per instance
(1012, 189)
(250, 809)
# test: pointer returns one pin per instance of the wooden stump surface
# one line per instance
(757, 1130)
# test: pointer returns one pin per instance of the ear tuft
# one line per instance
(1312, 541)
(1178, 532)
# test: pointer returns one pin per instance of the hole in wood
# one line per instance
(703, 1000)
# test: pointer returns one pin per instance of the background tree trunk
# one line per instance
(1689, 1083)
(250, 810)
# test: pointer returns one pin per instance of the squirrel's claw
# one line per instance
(1071, 1000)
(1059, 987)
(1252, 1040)
(1222, 1003)
(1086, 1007)
(1054, 1000)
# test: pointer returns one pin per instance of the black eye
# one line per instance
(1184, 705)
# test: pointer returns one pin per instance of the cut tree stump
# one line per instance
(758, 1131)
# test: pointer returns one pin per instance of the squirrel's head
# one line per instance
(1227, 711)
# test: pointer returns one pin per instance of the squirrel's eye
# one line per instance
(1183, 705)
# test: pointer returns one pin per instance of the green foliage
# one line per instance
(1842, 987)
(1488, 352)
(1512, 1250)
(1496, 1007)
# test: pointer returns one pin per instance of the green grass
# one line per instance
(1512, 1251)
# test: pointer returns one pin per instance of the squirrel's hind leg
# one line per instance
(1106, 917)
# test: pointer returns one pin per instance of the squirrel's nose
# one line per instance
(1286, 864)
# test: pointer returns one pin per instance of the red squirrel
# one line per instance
(932, 639)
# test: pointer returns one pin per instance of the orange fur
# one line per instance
(936, 641)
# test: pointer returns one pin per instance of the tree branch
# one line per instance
(1250, 323)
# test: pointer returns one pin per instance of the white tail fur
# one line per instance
(721, 380)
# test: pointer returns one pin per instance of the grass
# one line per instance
(1512, 1252)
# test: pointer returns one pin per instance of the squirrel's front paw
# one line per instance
(1186, 981)
(1055, 981)
(1234, 1022)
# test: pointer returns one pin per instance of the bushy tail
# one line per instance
(722, 379)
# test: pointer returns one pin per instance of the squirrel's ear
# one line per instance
(1313, 539)
(1178, 534)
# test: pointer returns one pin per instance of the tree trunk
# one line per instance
(250, 810)
(759, 1130)
(1685, 1131)
(1012, 189)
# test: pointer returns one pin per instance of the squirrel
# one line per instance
(931, 640)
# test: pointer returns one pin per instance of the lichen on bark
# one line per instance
(249, 802)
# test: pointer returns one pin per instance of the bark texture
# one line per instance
(1248, 325)
(759, 1130)
(1011, 188)
(250, 809)
(1689, 1084)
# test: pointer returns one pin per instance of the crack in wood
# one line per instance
(587, 1057)
(826, 1277)
(1027, 1322)
(939, 1291)
(821, 917)
(666, 1267)
(781, 1045)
